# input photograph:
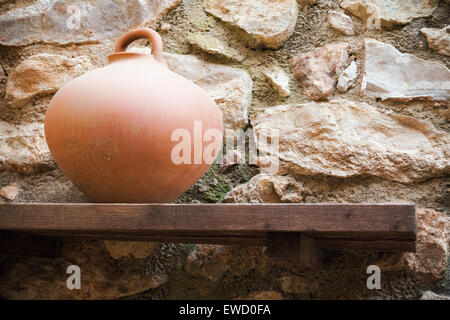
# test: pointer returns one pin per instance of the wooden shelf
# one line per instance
(286, 229)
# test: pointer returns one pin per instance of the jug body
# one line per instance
(116, 132)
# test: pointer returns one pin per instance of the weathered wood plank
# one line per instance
(380, 220)
(382, 227)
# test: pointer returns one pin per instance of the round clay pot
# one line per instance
(111, 130)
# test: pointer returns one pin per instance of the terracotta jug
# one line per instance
(111, 131)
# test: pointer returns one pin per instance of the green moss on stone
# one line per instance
(216, 186)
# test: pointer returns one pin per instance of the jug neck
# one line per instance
(130, 56)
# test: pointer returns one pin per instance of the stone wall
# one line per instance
(359, 90)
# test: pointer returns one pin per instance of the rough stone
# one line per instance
(317, 70)
(341, 22)
(347, 77)
(305, 4)
(264, 188)
(208, 261)
(279, 80)
(270, 23)
(345, 138)
(230, 88)
(263, 295)
(78, 21)
(448, 230)
(102, 277)
(137, 249)
(3, 76)
(429, 295)
(24, 148)
(43, 74)
(210, 44)
(165, 27)
(298, 285)
(388, 13)
(390, 74)
(431, 253)
(438, 39)
(10, 191)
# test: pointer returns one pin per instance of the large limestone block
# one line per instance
(345, 138)
(270, 22)
(317, 70)
(390, 74)
(438, 39)
(77, 21)
(215, 46)
(387, 13)
(432, 246)
(341, 22)
(119, 249)
(230, 88)
(23, 148)
(43, 74)
(265, 188)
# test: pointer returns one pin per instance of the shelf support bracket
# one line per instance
(294, 248)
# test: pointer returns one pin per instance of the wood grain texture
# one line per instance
(310, 253)
(381, 225)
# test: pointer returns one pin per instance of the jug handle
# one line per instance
(152, 35)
